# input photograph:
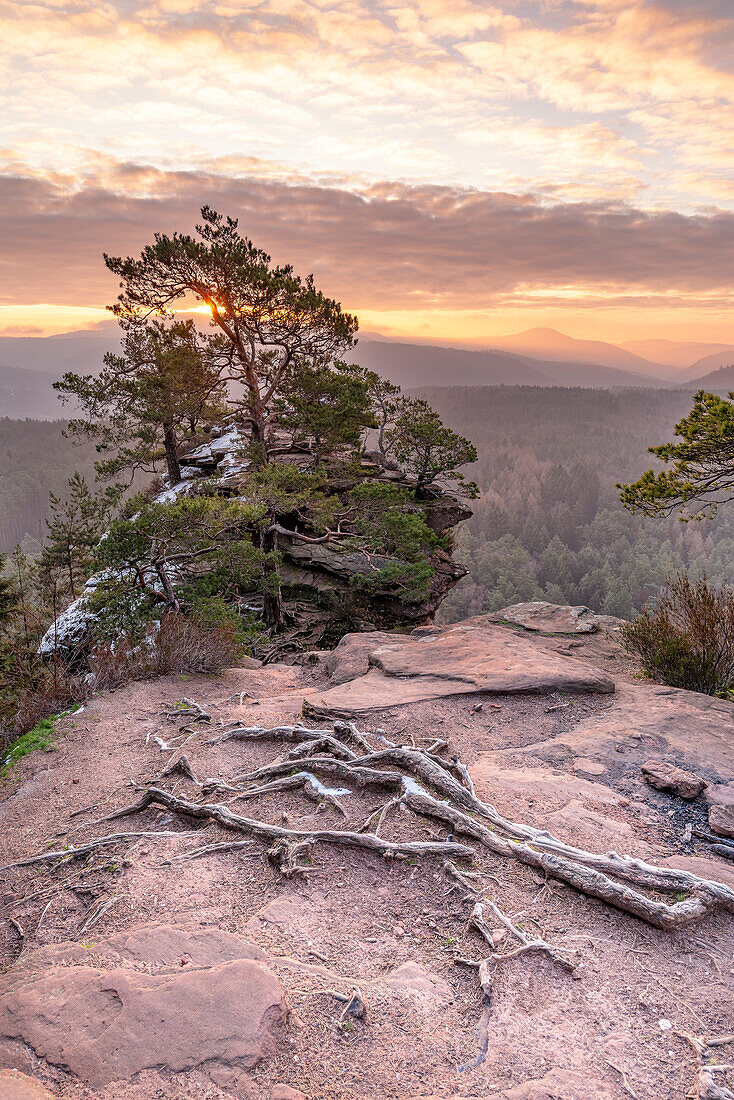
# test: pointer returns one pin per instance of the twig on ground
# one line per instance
(706, 1087)
(625, 1080)
(98, 911)
(84, 849)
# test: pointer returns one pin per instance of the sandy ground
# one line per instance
(356, 918)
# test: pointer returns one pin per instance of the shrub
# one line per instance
(178, 645)
(686, 638)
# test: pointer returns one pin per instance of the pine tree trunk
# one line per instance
(258, 432)
(273, 599)
(171, 445)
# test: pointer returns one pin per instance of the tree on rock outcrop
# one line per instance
(268, 319)
(166, 380)
(426, 448)
(291, 516)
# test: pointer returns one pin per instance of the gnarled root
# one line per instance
(706, 1085)
(276, 833)
(592, 874)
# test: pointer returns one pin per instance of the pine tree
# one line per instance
(74, 530)
(167, 380)
(267, 319)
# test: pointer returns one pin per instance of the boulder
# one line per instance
(674, 780)
(106, 1025)
(548, 618)
(721, 809)
(474, 656)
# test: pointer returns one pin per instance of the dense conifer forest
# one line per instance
(35, 459)
(548, 523)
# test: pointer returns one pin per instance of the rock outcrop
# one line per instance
(371, 671)
(549, 618)
(320, 580)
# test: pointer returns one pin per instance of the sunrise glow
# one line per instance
(447, 171)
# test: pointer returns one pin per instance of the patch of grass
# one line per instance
(40, 737)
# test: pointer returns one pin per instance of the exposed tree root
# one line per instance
(209, 849)
(706, 1085)
(485, 966)
(180, 766)
(280, 837)
(65, 854)
(190, 711)
(592, 874)
(434, 787)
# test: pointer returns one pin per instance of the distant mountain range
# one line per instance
(413, 365)
(718, 381)
(685, 356)
(537, 357)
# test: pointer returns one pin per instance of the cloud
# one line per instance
(376, 247)
(594, 93)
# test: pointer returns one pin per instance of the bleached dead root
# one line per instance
(707, 1087)
(432, 787)
(596, 875)
(286, 842)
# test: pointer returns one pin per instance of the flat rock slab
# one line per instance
(106, 1025)
(153, 946)
(649, 722)
(674, 780)
(15, 1085)
(468, 658)
(548, 618)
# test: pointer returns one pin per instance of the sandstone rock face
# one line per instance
(474, 656)
(108, 1024)
(317, 578)
(549, 618)
(721, 809)
(667, 777)
(15, 1085)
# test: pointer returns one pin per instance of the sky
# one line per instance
(448, 170)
